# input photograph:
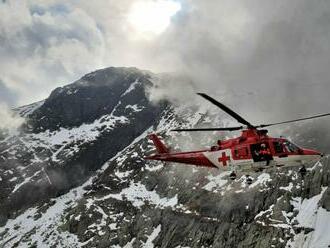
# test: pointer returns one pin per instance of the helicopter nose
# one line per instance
(311, 152)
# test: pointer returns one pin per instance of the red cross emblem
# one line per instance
(223, 159)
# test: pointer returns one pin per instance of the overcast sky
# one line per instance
(274, 53)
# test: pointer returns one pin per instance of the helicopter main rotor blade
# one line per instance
(207, 129)
(239, 118)
(301, 119)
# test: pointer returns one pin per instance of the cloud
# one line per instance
(267, 59)
(9, 121)
(46, 45)
(7, 95)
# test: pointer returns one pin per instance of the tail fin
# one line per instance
(160, 147)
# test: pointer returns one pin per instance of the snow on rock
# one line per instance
(268, 212)
(26, 180)
(58, 140)
(123, 175)
(154, 168)
(27, 110)
(46, 224)
(86, 132)
(131, 87)
(135, 107)
(320, 237)
(216, 182)
(152, 237)
(138, 195)
(261, 180)
(43, 229)
(288, 188)
(307, 209)
(311, 215)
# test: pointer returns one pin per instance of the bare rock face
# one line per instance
(76, 177)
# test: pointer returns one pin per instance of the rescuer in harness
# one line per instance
(265, 154)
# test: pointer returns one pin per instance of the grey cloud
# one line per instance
(279, 51)
(255, 55)
(8, 120)
(7, 95)
(46, 48)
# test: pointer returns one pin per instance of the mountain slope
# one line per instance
(76, 177)
(63, 144)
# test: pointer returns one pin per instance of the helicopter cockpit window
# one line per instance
(290, 147)
(278, 147)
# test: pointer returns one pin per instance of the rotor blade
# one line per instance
(207, 129)
(226, 109)
(301, 119)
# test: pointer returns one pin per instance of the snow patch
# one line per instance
(312, 216)
(307, 209)
(152, 237)
(216, 182)
(138, 195)
(27, 110)
(154, 168)
(135, 107)
(288, 188)
(261, 180)
(131, 87)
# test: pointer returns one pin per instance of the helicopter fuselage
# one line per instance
(242, 153)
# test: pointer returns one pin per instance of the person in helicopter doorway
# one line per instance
(265, 154)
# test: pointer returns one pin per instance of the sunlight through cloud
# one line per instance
(152, 17)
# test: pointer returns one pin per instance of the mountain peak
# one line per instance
(88, 98)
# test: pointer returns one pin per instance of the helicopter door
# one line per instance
(279, 149)
(257, 154)
(241, 152)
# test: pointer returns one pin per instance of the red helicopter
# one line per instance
(254, 150)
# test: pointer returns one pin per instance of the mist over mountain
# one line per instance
(74, 175)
